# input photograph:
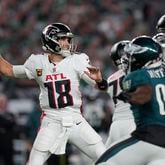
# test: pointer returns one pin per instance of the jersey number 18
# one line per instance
(62, 89)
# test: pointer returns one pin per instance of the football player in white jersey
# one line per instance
(58, 73)
(122, 122)
(160, 36)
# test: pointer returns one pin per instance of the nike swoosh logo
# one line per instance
(78, 123)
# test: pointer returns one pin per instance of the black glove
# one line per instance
(124, 96)
(103, 85)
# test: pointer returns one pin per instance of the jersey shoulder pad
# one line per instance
(34, 62)
(116, 76)
(135, 79)
(80, 53)
(36, 57)
(81, 58)
(80, 62)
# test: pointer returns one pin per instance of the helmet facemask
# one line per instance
(65, 52)
(118, 55)
(140, 56)
(160, 37)
(122, 63)
(132, 63)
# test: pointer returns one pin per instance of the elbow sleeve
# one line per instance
(19, 71)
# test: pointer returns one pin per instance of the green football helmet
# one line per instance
(143, 51)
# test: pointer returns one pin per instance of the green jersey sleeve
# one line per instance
(135, 79)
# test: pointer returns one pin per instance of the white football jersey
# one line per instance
(122, 110)
(59, 83)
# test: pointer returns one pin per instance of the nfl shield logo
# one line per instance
(127, 85)
(54, 70)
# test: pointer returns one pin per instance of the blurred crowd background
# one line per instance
(97, 25)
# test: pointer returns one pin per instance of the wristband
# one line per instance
(103, 85)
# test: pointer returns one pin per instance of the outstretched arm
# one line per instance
(6, 68)
(9, 70)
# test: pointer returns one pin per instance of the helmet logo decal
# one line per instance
(53, 31)
(133, 48)
(50, 32)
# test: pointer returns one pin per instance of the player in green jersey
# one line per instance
(144, 88)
